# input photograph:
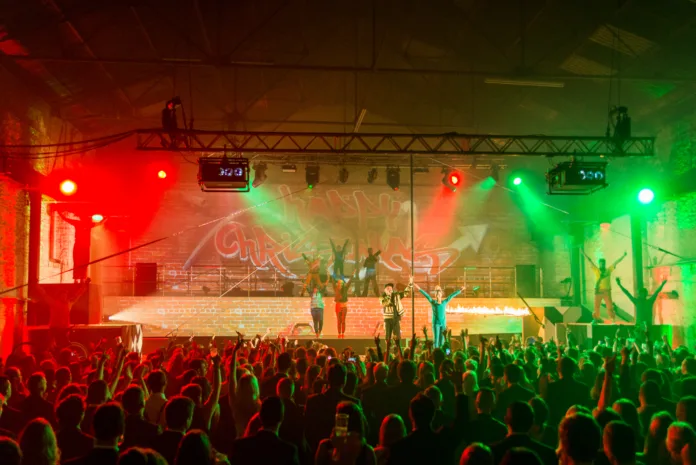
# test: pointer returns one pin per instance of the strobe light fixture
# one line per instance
(372, 175)
(343, 175)
(452, 179)
(393, 177)
(259, 175)
(312, 176)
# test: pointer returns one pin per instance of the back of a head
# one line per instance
(650, 392)
(567, 367)
(272, 412)
(10, 452)
(380, 371)
(513, 373)
(679, 435)
(619, 442)
(540, 409)
(407, 371)
(284, 362)
(434, 394)
(285, 388)
(157, 381)
(477, 454)
(520, 456)
(109, 422)
(63, 375)
(37, 384)
(195, 449)
(688, 454)
(70, 411)
(38, 443)
(193, 392)
(579, 438)
(133, 400)
(178, 413)
(519, 417)
(356, 419)
(133, 456)
(485, 400)
(337, 375)
(391, 430)
(606, 416)
(422, 411)
(97, 392)
(686, 410)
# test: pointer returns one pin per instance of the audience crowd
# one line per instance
(628, 400)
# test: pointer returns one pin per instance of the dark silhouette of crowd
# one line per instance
(629, 400)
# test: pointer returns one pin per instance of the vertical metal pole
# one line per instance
(637, 249)
(413, 255)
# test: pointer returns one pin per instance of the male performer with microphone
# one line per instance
(393, 309)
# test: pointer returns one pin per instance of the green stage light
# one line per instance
(517, 181)
(645, 196)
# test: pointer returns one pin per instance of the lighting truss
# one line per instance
(303, 147)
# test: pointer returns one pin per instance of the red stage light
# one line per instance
(68, 187)
(162, 174)
(97, 218)
(455, 179)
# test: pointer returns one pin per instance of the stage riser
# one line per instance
(130, 334)
(223, 317)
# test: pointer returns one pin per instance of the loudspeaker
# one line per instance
(145, 279)
(527, 285)
(86, 310)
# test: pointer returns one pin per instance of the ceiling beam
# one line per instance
(175, 62)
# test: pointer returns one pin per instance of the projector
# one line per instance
(577, 178)
(223, 174)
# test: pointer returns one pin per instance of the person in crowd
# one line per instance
(265, 446)
(11, 419)
(391, 431)
(269, 384)
(567, 391)
(139, 432)
(679, 435)
(316, 309)
(35, 406)
(579, 440)
(10, 452)
(655, 451)
(72, 442)
(109, 425)
(520, 456)
(520, 420)
(485, 428)
(476, 454)
(393, 310)
(619, 443)
(243, 396)
(154, 405)
(178, 415)
(629, 414)
(38, 443)
(350, 447)
(195, 449)
(603, 286)
(542, 431)
(514, 391)
(399, 396)
(374, 400)
(422, 445)
(370, 265)
(438, 306)
(320, 409)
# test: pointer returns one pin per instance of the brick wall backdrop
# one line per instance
(207, 316)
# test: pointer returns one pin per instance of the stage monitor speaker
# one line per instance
(86, 310)
(526, 278)
(145, 279)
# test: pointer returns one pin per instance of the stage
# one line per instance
(207, 316)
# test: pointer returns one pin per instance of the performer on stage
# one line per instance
(393, 309)
(603, 286)
(341, 288)
(643, 303)
(313, 279)
(60, 307)
(317, 311)
(339, 254)
(439, 307)
(81, 247)
(370, 265)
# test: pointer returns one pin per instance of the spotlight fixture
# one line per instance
(372, 175)
(343, 175)
(517, 181)
(312, 176)
(452, 179)
(97, 218)
(645, 196)
(162, 174)
(393, 177)
(259, 174)
(289, 168)
(68, 187)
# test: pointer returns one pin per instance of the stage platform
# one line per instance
(207, 316)
(90, 335)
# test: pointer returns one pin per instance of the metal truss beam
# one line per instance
(381, 149)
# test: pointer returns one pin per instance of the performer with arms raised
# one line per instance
(341, 287)
(439, 307)
(339, 254)
(643, 303)
(312, 280)
(370, 265)
(603, 286)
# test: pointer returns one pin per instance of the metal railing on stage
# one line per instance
(242, 280)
